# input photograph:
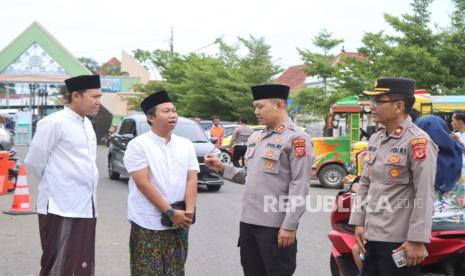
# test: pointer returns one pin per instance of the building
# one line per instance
(33, 68)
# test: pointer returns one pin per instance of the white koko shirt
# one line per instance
(63, 155)
(168, 165)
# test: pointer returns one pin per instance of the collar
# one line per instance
(160, 139)
(399, 131)
(73, 114)
(282, 127)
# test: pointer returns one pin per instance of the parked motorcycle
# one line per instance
(446, 249)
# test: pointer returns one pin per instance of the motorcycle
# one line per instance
(446, 250)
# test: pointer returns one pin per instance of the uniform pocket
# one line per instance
(396, 169)
(271, 162)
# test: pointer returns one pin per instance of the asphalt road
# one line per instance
(212, 240)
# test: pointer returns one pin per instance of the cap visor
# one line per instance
(374, 93)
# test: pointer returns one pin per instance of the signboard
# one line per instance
(110, 84)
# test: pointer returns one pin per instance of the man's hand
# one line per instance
(415, 251)
(181, 218)
(286, 237)
(213, 163)
(360, 238)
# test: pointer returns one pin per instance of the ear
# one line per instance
(150, 118)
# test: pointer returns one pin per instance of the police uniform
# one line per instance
(239, 140)
(395, 199)
(278, 164)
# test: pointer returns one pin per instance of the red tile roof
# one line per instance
(355, 55)
(293, 76)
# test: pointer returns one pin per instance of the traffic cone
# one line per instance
(21, 203)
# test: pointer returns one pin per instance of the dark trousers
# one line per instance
(260, 254)
(239, 153)
(68, 245)
(378, 261)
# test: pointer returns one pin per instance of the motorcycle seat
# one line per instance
(448, 226)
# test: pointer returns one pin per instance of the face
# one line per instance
(266, 111)
(216, 122)
(166, 116)
(87, 103)
(455, 123)
(384, 110)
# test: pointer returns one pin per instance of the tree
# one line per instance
(320, 64)
(90, 63)
(213, 85)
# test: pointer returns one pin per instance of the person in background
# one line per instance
(216, 131)
(197, 119)
(239, 141)
(63, 156)
(458, 124)
(449, 184)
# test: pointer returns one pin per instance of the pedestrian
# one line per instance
(217, 131)
(162, 191)
(449, 185)
(397, 184)
(239, 141)
(458, 124)
(279, 165)
(63, 156)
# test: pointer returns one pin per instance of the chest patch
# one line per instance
(394, 159)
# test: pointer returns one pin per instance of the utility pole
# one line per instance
(172, 41)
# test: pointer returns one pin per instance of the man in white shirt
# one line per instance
(163, 169)
(63, 156)
(458, 124)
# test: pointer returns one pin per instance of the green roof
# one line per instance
(35, 33)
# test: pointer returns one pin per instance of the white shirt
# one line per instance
(63, 155)
(168, 165)
(461, 135)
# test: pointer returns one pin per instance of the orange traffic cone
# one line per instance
(21, 204)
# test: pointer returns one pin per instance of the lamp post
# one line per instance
(32, 89)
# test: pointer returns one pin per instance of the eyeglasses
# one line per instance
(375, 102)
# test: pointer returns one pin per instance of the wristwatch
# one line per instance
(170, 212)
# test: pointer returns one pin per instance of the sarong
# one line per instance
(68, 245)
(158, 253)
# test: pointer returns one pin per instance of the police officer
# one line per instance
(239, 140)
(394, 204)
(278, 166)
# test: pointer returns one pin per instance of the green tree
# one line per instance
(319, 65)
(90, 63)
(213, 85)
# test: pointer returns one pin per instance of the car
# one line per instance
(136, 124)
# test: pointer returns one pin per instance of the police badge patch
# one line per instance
(299, 146)
(418, 148)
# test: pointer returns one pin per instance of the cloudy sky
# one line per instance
(101, 29)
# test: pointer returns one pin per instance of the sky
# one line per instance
(100, 29)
